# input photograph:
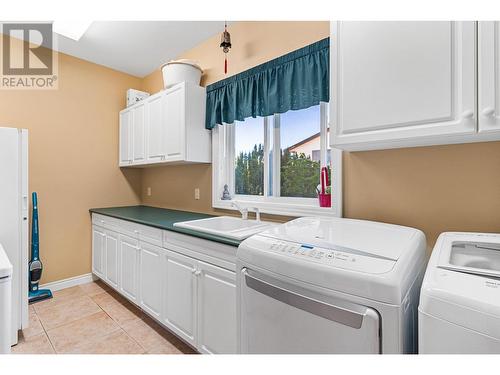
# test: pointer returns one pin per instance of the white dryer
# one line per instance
(459, 308)
(330, 285)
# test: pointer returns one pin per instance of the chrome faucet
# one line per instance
(257, 213)
(243, 211)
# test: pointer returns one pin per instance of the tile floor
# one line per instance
(93, 319)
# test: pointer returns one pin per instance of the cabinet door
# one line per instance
(216, 310)
(125, 137)
(401, 84)
(174, 120)
(111, 258)
(489, 76)
(180, 295)
(129, 268)
(139, 132)
(155, 129)
(151, 279)
(98, 250)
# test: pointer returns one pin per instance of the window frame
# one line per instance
(223, 168)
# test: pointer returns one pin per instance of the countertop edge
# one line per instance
(187, 232)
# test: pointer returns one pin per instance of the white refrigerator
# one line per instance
(14, 220)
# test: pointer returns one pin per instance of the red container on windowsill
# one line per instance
(325, 200)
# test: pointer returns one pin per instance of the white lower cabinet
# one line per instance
(129, 268)
(151, 280)
(98, 250)
(200, 303)
(194, 299)
(180, 295)
(111, 258)
(216, 317)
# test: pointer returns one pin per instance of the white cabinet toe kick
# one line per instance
(185, 283)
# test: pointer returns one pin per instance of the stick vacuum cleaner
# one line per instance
(35, 265)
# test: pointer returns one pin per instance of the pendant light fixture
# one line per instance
(225, 44)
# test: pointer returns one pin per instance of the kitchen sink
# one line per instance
(227, 226)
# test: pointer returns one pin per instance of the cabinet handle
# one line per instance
(488, 111)
(197, 273)
(467, 114)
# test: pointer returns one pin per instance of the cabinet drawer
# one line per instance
(106, 222)
(150, 235)
(137, 231)
(142, 232)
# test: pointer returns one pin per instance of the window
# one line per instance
(249, 154)
(274, 162)
(300, 133)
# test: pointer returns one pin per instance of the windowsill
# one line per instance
(275, 208)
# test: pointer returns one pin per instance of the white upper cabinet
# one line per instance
(126, 154)
(139, 132)
(175, 124)
(168, 127)
(402, 84)
(156, 130)
(489, 77)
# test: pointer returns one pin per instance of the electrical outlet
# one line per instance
(197, 193)
(148, 191)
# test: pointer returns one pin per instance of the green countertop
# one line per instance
(162, 218)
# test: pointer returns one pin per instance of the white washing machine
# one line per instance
(330, 285)
(459, 308)
(5, 302)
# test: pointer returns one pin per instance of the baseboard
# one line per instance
(68, 283)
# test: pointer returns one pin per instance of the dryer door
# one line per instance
(276, 317)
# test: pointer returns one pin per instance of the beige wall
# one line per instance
(73, 156)
(435, 189)
(253, 43)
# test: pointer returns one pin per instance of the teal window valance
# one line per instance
(297, 80)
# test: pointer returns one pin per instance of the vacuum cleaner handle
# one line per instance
(34, 229)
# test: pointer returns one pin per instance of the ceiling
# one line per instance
(137, 47)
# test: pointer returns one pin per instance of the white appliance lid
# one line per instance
(369, 238)
(474, 257)
(5, 265)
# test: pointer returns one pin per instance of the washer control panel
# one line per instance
(331, 257)
(311, 252)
